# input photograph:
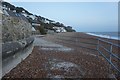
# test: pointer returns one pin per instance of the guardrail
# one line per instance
(110, 52)
(98, 46)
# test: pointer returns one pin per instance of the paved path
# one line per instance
(48, 45)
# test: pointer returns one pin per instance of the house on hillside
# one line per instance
(28, 15)
(69, 29)
(33, 17)
(46, 21)
(34, 31)
(25, 14)
(59, 29)
(5, 7)
(35, 27)
(35, 24)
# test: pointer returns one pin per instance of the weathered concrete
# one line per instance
(10, 48)
(12, 61)
(14, 29)
(48, 45)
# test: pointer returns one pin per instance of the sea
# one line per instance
(110, 35)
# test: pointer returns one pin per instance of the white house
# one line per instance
(59, 29)
(32, 16)
(4, 7)
(46, 21)
(25, 14)
(36, 24)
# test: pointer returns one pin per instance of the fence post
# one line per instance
(98, 46)
(110, 58)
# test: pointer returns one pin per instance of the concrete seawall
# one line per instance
(10, 48)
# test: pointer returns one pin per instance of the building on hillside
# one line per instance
(35, 32)
(32, 16)
(5, 7)
(25, 14)
(36, 24)
(46, 21)
(59, 29)
(28, 15)
(53, 22)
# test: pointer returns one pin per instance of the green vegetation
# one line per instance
(69, 29)
(42, 30)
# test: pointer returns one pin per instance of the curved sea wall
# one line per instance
(10, 48)
(16, 35)
(14, 28)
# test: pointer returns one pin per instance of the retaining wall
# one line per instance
(10, 48)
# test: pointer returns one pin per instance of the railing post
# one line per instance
(110, 58)
(98, 46)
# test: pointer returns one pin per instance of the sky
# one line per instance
(82, 16)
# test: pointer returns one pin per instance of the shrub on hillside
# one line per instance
(42, 30)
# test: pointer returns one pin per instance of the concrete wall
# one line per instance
(16, 35)
(10, 48)
(14, 29)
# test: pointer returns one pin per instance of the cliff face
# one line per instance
(14, 29)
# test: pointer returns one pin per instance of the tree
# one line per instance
(12, 7)
(8, 5)
(42, 30)
(28, 12)
(69, 29)
(19, 9)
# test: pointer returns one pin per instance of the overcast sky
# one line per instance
(83, 16)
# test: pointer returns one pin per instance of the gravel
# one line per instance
(54, 63)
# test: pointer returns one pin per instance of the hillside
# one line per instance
(39, 23)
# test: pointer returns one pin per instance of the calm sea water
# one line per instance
(112, 35)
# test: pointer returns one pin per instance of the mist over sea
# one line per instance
(111, 35)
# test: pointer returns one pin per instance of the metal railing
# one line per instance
(98, 46)
(110, 52)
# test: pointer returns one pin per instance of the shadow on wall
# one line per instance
(10, 48)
